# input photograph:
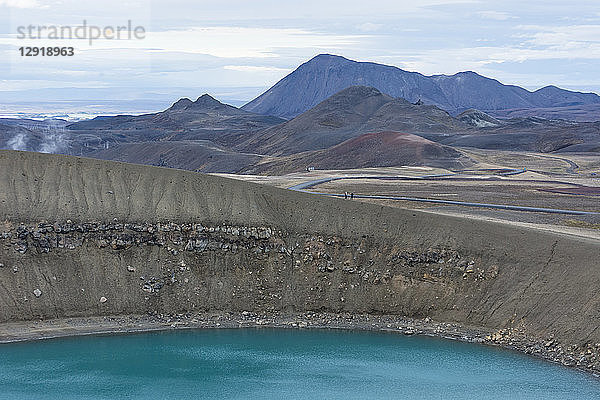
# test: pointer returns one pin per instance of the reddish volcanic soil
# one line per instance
(387, 149)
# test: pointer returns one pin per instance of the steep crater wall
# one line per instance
(189, 267)
(82, 237)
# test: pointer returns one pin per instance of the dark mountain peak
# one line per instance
(181, 104)
(322, 63)
(552, 90)
(468, 73)
(359, 100)
(204, 102)
(206, 97)
(469, 76)
(207, 100)
(555, 96)
(343, 65)
(326, 74)
(548, 89)
(332, 60)
(329, 58)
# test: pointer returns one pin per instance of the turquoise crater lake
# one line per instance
(278, 363)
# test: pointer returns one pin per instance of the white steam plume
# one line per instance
(18, 142)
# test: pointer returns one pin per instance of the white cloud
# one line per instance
(369, 27)
(452, 60)
(495, 15)
(242, 42)
(311, 10)
(534, 43)
(20, 3)
(254, 68)
(562, 37)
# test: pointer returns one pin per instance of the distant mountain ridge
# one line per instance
(357, 127)
(200, 120)
(206, 111)
(325, 75)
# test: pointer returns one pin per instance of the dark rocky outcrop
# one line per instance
(478, 119)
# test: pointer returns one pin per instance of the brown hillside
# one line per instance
(379, 149)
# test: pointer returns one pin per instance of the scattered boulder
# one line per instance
(130, 268)
(103, 299)
(37, 292)
(153, 285)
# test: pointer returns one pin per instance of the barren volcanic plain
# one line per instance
(89, 245)
(495, 177)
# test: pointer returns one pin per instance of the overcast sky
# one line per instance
(235, 49)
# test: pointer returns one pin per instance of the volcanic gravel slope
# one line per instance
(378, 149)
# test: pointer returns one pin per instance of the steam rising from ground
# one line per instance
(44, 137)
(54, 142)
(17, 142)
(54, 139)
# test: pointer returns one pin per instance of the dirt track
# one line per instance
(186, 242)
(309, 187)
